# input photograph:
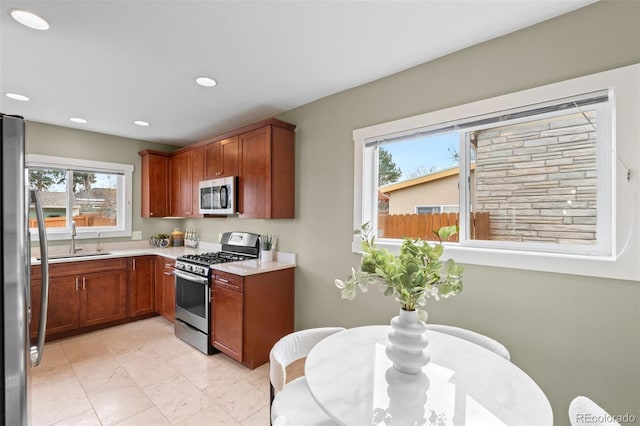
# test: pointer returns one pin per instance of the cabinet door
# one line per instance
(180, 175)
(169, 296)
(36, 288)
(154, 181)
(226, 323)
(142, 283)
(165, 292)
(229, 151)
(159, 284)
(212, 160)
(221, 158)
(103, 297)
(64, 304)
(197, 174)
(255, 174)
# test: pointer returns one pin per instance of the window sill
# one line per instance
(592, 266)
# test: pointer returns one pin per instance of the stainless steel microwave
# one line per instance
(218, 196)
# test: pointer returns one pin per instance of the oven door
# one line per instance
(193, 300)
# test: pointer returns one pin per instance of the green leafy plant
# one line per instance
(410, 277)
(267, 241)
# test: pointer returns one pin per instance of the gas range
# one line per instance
(200, 264)
(236, 246)
(194, 293)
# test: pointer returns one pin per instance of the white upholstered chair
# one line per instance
(292, 403)
(585, 412)
(473, 337)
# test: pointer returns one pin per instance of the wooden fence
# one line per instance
(83, 220)
(423, 225)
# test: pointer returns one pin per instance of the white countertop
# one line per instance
(247, 267)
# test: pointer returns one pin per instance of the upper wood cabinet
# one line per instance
(221, 158)
(186, 170)
(266, 188)
(180, 184)
(197, 174)
(262, 155)
(154, 183)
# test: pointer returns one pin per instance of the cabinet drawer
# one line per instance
(230, 281)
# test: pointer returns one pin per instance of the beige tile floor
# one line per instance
(140, 374)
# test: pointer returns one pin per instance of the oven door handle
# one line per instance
(191, 277)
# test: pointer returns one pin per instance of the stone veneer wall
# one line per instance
(538, 180)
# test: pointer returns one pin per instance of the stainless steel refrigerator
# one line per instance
(18, 354)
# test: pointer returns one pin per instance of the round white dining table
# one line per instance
(353, 381)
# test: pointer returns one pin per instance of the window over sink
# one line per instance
(95, 195)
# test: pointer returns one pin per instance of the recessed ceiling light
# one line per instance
(206, 81)
(29, 19)
(141, 123)
(78, 120)
(17, 97)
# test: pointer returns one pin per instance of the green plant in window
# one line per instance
(411, 277)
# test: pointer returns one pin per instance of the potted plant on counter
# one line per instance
(267, 243)
(415, 274)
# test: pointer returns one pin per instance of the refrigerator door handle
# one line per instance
(36, 351)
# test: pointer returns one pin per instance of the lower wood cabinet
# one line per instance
(103, 297)
(227, 321)
(251, 313)
(142, 285)
(81, 294)
(165, 288)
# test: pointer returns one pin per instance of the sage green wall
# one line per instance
(45, 139)
(573, 335)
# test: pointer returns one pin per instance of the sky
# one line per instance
(424, 151)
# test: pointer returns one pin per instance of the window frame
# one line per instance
(125, 209)
(441, 208)
(621, 259)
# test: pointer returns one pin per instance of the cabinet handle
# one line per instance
(168, 273)
(76, 283)
(134, 263)
(222, 280)
(150, 213)
(84, 283)
(168, 265)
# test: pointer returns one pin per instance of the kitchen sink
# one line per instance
(69, 255)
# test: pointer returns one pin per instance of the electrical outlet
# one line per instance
(136, 235)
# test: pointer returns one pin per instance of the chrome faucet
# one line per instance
(74, 249)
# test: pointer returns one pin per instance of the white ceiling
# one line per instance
(113, 62)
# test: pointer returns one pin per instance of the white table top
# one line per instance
(351, 378)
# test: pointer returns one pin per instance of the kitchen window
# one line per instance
(535, 179)
(95, 195)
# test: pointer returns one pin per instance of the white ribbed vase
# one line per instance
(407, 347)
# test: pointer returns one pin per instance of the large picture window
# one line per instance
(96, 196)
(534, 176)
